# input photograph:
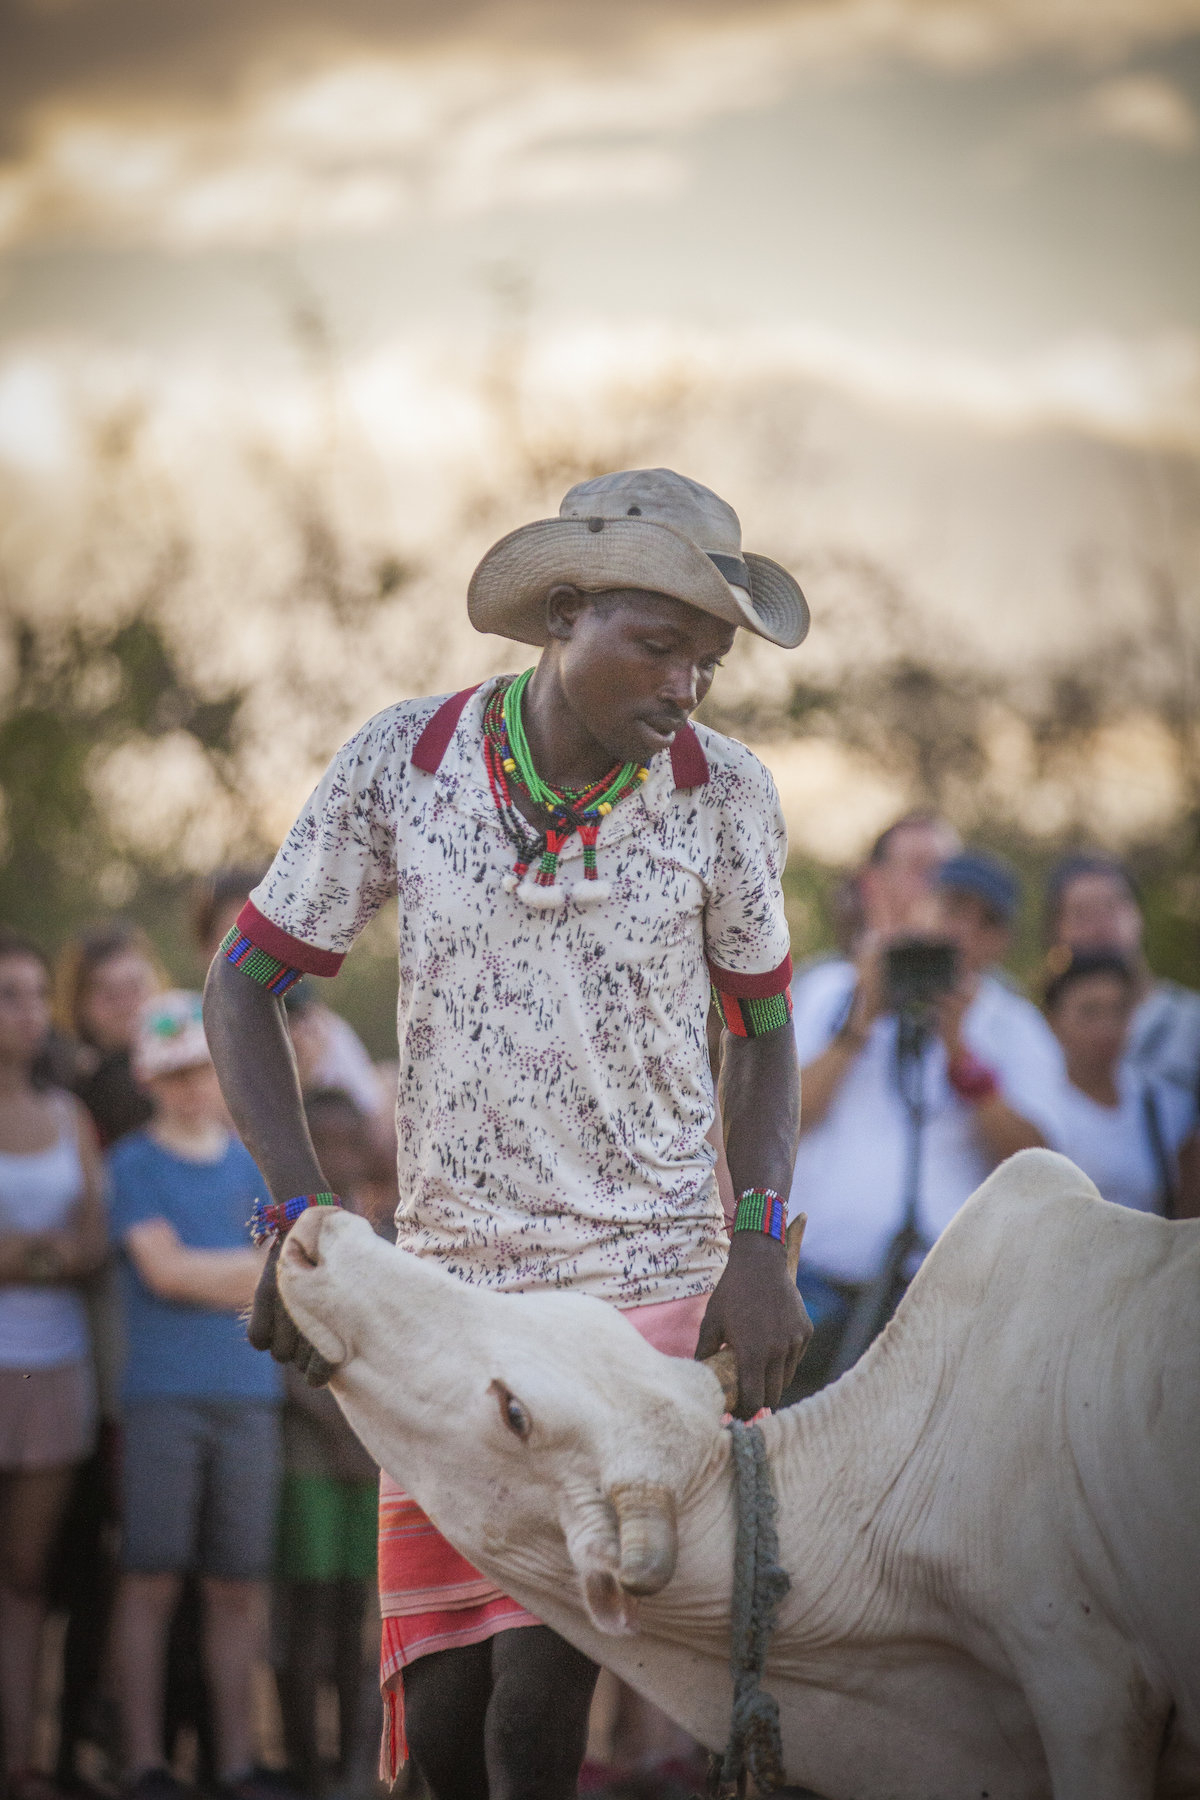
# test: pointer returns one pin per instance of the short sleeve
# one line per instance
(1025, 1054)
(1178, 1112)
(821, 998)
(337, 865)
(133, 1196)
(746, 936)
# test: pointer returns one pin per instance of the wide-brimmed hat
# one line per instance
(639, 528)
(170, 1035)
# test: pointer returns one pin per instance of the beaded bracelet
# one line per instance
(761, 1209)
(271, 1219)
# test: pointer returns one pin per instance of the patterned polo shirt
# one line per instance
(555, 1089)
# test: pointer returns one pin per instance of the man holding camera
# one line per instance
(921, 1069)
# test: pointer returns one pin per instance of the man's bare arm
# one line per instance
(755, 1307)
(252, 1052)
(220, 1280)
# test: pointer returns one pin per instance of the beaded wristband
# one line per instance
(761, 1209)
(272, 1218)
(258, 964)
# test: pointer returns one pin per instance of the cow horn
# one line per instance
(649, 1540)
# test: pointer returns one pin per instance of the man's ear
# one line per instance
(564, 604)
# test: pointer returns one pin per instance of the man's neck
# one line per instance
(565, 755)
(1099, 1083)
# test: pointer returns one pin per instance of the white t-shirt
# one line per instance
(850, 1170)
(554, 1084)
(42, 1325)
(1112, 1144)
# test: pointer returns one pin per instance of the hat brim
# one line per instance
(507, 592)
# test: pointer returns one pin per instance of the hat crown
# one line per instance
(661, 497)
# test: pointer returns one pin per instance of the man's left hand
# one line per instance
(757, 1310)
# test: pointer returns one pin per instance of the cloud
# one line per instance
(355, 148)
(421, 401)
(198, 139)
(1140, 109)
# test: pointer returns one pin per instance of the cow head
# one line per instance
(527, 1425)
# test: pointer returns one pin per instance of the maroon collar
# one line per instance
(689, 765)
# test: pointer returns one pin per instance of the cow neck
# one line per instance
(847, 1467)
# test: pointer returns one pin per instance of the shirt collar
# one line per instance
(683, 766)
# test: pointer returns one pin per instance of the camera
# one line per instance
(917, 972)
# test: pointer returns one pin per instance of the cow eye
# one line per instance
(512, 1414)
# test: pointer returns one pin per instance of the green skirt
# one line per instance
(327, 1529)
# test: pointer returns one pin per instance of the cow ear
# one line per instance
(610, 1608)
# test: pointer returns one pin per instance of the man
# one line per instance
(574, 864)
(985, 1080)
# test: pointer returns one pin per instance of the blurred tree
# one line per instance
(134, 657)
(77, 691)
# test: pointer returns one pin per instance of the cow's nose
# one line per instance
(301, 1253)
(302, 1245)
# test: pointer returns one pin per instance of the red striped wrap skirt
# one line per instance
(429, 1596)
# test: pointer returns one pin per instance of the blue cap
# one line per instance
(989, 879)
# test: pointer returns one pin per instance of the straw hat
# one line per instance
(639, 528)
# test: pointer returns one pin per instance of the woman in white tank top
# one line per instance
(52, 1237)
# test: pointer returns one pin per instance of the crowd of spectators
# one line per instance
(176, 1498)
(185, 1506)
(909, 1103)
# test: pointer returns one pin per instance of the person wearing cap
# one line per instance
(577, 867)
(988, 1078)
(199, 1407)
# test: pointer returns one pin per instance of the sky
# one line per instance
(927, 274)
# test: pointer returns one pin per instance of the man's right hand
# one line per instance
(271, 1328)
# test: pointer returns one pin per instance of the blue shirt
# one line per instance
(176, 1349)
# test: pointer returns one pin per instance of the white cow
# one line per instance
(992, 1524)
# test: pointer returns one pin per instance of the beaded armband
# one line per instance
(258, 964)
(272, 1218)
(761, 1209)
(753, 1018)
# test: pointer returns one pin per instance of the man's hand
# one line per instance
(869, 997)
(271, 1327)
(756, 1310)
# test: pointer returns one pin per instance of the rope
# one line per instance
(759, 1584)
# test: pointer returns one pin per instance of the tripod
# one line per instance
(881, 1296)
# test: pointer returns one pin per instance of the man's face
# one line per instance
(980, 938)
(1091, 1019)
(633, 665)
(898, 893)
(1097, 912)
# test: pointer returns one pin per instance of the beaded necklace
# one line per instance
(506, 755)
